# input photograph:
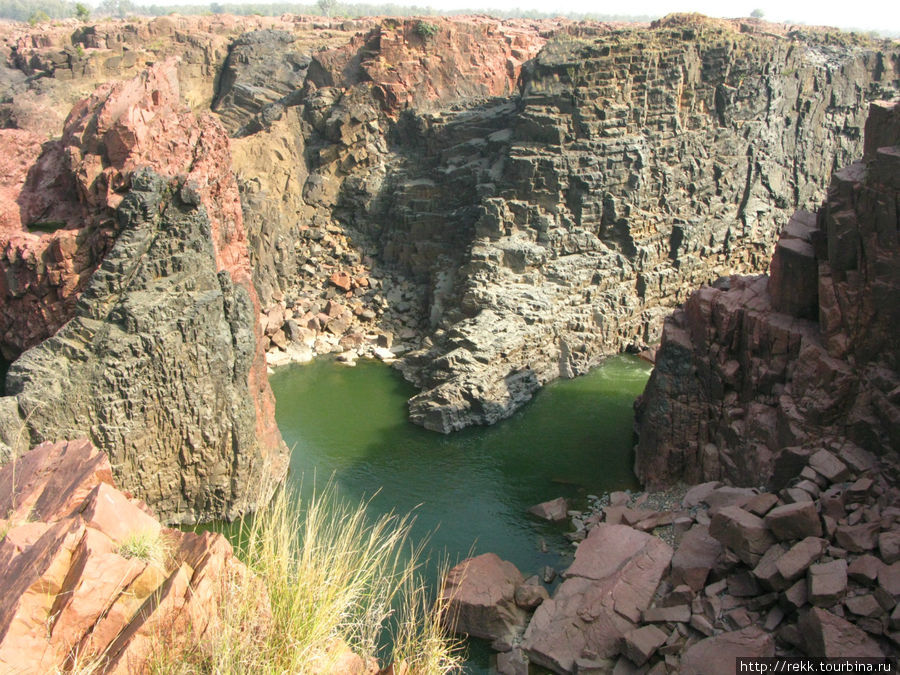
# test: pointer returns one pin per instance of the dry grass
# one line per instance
(332, 578)
(148, 546)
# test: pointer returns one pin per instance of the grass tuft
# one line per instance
(148, 546)
(338, 584)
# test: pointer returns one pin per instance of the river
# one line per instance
(470, 491)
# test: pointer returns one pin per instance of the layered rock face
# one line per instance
(755, 374)
(160, 362)
(76, 594)
(527, 236)
(635, 166)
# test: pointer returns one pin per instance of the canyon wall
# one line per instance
(498, 202)
(155, 352)
(635, 166)
(755, 374)
(524, 237)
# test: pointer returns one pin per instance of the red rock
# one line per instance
(481, 598)
(794, 521)
(829, 466)
(717, 655)
(52, 480)
(767, 570)
(830, 636)
(889, 579)
(864, 605)
(799, 557)
(108, 510)
(864, 569)
(621, 569)
(695, 557)
(675, 613)
(760, 505)
(66, 588)
(342, 280)
(857, 538)
(555, 510)
(640, 644)
(827, 583)
(530, 595)
(889, 546)
(797, 595)
(698, 493)
(742, 532)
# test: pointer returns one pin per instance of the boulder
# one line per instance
(794, 521)
(827, 583)
(889, 546)
(555, 510)
(610, 583)
(830, 636)
(864, 570)
(799, 557)
(717, 655)
(857, 538)
(480, 595)
(829, 466)
(695, 556)
(742, 532)
(640, 644)
(889, 579)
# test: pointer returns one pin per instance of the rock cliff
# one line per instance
(524, 237)
(634, 166)
(755, 374)
(157, 353)
(517, 214)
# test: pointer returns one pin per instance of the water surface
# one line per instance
(470, 490)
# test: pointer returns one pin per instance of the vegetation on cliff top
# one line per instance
(334, 580)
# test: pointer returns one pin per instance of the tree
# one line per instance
(119, 8)
(327, 7)
(82, 13)
(40, 16)
(757, 13)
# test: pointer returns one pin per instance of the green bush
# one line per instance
(426, 30)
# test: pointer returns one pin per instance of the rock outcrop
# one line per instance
(635, 166)
(757, 376)
(518, 214)
(160, 360)
(78, 590)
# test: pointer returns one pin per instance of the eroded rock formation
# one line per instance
(756, 374)
(76, 594)
(159, 359)
(635, 166)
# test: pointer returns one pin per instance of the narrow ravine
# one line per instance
(470, 490)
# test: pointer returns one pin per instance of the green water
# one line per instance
(470, 490)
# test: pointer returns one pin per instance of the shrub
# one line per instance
(426, 30)
(40, 16)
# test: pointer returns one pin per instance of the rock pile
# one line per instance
(751, 573)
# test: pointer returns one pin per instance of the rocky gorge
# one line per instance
(489, 205)
(785, 384)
